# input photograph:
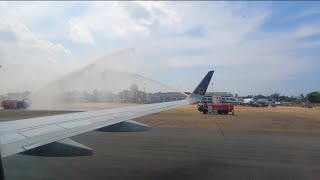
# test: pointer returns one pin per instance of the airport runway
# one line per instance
(173, 153)
(280, 143)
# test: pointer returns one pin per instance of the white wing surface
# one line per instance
(28, 134)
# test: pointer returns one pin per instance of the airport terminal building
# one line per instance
(220, 97)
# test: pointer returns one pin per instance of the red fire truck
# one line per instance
(13, 104)
(225, 108)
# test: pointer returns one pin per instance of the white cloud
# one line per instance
(159, 13)
(13, 22)
(129, 19)
(306, 31)
(162, 33)
(27, 57)
(79, 32)
(112, 20)
(29, 40)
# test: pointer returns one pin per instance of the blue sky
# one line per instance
(261, 47)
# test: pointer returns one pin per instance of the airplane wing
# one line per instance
(49, 135)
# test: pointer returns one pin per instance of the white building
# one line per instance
(207, 97)
(220, 97)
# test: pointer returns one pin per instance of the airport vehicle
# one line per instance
(222, 108)
(13, 104)
(307, 105)
(262, 104)
(49, 136)
(219, 108)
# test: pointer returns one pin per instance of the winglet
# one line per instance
(201, 89)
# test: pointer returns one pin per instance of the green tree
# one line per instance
(314, 97)
(275, 96)
(283, 98)
(260, 97)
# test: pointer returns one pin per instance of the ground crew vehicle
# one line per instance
(262, 104)
(13, 104)
(219, 108)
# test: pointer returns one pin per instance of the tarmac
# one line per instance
(255, 143)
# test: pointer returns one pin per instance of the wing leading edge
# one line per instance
(27, 134)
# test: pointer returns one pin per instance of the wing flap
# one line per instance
(42, 131)
(12, 137)
(74, 124)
